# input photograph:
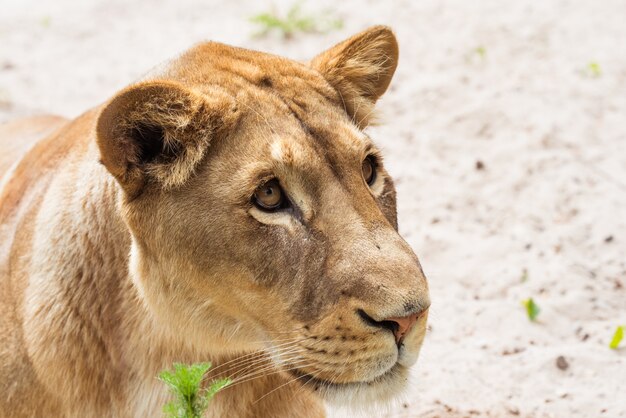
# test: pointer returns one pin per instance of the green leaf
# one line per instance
(617, 337)
(594, 69)
(532, 309)
(295, 21)
(216, 387)
(45, 21)
(524, 277)
(185, 383)
(171, 410)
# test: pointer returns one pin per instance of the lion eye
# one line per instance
(368, 167)
(269, 196)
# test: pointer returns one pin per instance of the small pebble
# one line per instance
(561, 363)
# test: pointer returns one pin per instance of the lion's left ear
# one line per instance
(360, 69)
(157, 132)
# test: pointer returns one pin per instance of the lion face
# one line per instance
(262, 216)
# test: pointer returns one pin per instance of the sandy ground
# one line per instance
(505, 128)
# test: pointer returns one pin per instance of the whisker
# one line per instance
(284, 384)
(245, 357)
(262, 364)
(274, 351)
(269, 366)
(269, 374)
(258, 363)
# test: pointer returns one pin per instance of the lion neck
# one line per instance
(89, 242)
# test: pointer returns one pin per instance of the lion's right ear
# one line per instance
(157, 131)
(360, 69)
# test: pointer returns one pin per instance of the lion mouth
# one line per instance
(319, 384)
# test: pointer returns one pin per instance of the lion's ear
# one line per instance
(360, 69)
(156, 131)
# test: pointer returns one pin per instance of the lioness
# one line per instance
(228, 209)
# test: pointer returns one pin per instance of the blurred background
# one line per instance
(505, 129)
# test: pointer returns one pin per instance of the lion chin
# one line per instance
(378, 392)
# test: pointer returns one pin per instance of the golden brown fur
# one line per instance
(129, 241)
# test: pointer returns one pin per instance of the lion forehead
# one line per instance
(239, 69)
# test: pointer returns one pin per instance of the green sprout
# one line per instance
(524, 277)
(481, 52)
(295, 22)
(617, 337)
(46, 21)
(532, 309)
(190, 400)
(477, 55)
(593, 70)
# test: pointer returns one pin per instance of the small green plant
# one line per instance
(617, 337)
(532, 309)
(190, 400)
(295, 21)
(476, 55)
(481, 51)
(593, 70)
(524, 277)
(46, 21)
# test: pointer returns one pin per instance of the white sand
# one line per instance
(551, 136)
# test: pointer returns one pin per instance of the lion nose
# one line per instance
(399, 326)
(402, 325)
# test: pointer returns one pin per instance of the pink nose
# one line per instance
(400, 326)
(404, 325)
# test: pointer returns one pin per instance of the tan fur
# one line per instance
(129, 241)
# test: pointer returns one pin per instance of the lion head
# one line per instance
(261, 213)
